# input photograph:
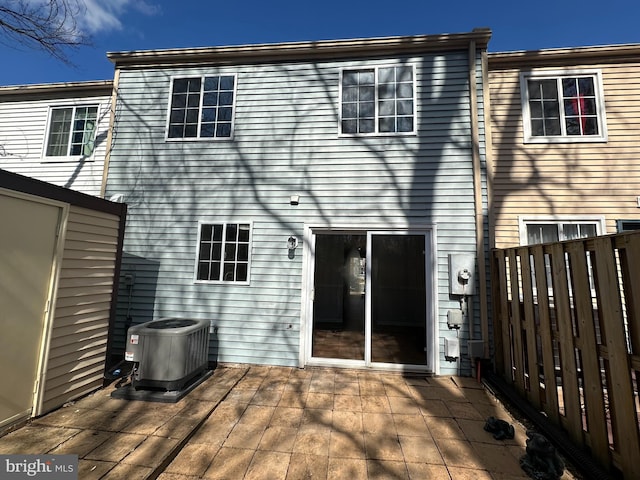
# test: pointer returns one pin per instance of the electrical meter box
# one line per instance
(462, 274)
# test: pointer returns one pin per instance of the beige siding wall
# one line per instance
(79, 335)
(571, 179)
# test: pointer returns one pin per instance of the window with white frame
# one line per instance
(543, 230)
(202, 107)
(379, 100)
(223, 252)
(72, 131)
(563, 107)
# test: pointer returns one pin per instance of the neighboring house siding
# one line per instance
(79, 335)
(286, 142)
(566, 179)
(23, 130)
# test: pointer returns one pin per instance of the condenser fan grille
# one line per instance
(171, 323)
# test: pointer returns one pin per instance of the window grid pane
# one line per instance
(563, 106)
(223, 253)
(202, 107)
(377, 100)
(72, 131)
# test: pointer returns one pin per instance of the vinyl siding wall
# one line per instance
(566, 180)
(77, 349)
(23, 129)
(286, 142)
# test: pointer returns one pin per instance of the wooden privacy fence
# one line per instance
(567, 338)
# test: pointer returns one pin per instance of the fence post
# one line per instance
(620, 390)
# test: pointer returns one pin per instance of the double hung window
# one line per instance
(202, 107)
(223, 252)
(378, 100)
(72, 131)
(563, 107)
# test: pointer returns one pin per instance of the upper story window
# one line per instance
(378, 100)
(223, 252)
(563, 107)
(202, 107)
(72, 131)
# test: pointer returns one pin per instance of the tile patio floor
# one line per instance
(254, 422)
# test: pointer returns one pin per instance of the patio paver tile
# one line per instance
(420, 450)
(245, 435)
(150, 451)
(257, 415)
(442, 427)
(381, 446)
(320, 400)
(287, 416)
(312, 441)
(459, 453)
(464, 410)
(459, 473)
(347, 402)
(422, 471)
(318, 417)
(379, 423)
(403, 405)
(229, 464)
(348, 422)
(411, 425)
(434, 408)
(125, 471)
(193, 459)
(278, 439)
(308, 467)
(93, 469)
(347, 445)
(267, 465)
(386, 469)
(82, 443)
(348, 468)
(375, 404)
(118, 447)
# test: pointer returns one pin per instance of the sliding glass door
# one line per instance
(370, 297)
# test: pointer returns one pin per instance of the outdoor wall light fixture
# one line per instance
(292, 243)
(294, 199)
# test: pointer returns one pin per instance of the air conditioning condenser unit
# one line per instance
(168, 353)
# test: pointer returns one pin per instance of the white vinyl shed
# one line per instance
(60, 254)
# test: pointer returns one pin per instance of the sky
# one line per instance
(124, 25)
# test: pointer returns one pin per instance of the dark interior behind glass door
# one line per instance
(339, 288)
(398, 296)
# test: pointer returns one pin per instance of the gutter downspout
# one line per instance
(112, 120)
(488, 143)
(477, 192)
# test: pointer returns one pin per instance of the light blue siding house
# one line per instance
(308, 199)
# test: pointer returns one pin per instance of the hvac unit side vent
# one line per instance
(169, 352)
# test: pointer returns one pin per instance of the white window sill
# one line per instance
(567, 139)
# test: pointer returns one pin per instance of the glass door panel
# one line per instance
(339, 293)
(398, 299)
